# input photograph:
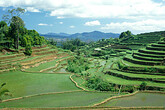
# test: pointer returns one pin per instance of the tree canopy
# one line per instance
(125, 34)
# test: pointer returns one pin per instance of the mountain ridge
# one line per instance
(85, 36)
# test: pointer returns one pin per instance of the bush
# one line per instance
(143, 86)
(28, 49)
(97, 83)
(77, 65)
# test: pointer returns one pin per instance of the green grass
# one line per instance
(45, 52)
(140, 61)
(150, 51)
(10, 62)
(156, 48)
(120, 81)
(11, 59)
(10, 55)
(46, 65)
(81, 82)
(138, 65)
(34, 57)
(61, 70)
(158, 45)
(137, 75)
(41, 49)
(149, 55)
(43, 66)
(59, 100)
(108, 64)
(148, 58)
(23, 84)
(138, 100)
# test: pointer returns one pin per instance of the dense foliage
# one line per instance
(125, 34)
(97, 83)
(28, 49)
(72, 44)
(143, 86)
(77, 65)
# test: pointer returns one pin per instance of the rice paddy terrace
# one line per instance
(146, 64)
(43, 77)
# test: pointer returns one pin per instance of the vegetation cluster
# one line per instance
(13, 33)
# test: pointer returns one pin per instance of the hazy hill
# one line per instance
(85, 36)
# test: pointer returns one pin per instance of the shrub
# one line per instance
(143, 86)
(77, 65)
(28, 49)
(97, 83)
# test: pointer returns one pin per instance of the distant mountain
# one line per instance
(55, 35)
(94, 36)
(85, 36)
(64, 34)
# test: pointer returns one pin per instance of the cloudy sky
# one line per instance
(72, 16)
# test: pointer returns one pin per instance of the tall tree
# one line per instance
(3, 30)
(17, 25)
(13, 18)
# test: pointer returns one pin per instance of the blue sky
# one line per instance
(73, 16)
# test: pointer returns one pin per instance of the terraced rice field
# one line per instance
(36, 84)
(144, 65)
(44, 78)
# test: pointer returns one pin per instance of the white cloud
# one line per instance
(43, 24)
(60, 17)
(31, 9)
(92, 23)
(61, 22)
(72, 26)
(136, 27)
(129, 9)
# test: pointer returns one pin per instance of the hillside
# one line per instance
(144, 38)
